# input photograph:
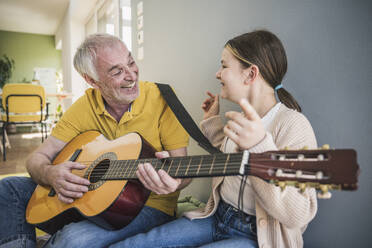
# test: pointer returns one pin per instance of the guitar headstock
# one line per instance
(323, 169)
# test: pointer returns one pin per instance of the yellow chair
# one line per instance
(23, 104)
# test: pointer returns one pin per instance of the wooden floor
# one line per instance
(22, 144)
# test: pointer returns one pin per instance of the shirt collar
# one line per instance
(268, 118)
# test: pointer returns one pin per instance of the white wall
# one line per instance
(70, 34)
(329, 52)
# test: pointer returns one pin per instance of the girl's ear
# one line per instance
(90, 81)
(251, 74)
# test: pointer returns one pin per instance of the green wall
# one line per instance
(29, 51)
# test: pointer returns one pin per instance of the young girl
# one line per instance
(253, 66)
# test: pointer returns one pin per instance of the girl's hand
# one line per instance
(211, 106)
(246, 130)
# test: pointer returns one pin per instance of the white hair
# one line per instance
(86, 53)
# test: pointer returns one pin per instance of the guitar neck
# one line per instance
(313, 167)
(179, 167)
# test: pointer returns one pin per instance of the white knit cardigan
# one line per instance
(282, 216)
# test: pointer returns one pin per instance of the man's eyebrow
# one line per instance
(117, 66)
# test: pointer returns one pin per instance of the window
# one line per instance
(106, 18)
(126, 23)
(112, 17)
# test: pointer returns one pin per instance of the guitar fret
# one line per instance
(178, 167)
(220, 160)
(131, 167)
(195, 168)
(206, 165)
(118, 169)
(121, 169)
(170, 165)
(162, 163)
(135, 167)
(188, 167)
(165, 164)
(156, 166)
(211, 168)
(154, 162)
(197, 171)
(228, 157)
(126, 166)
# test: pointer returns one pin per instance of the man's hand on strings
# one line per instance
(67, 185)
(157, 181)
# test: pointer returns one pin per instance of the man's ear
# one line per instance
(251, 73)
(90, 81)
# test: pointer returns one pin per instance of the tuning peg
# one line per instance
(282, 185)
(325, 147)
(320, 157)
(319, 175)
(279, 173)
(302, 187)
(324, 194)
(298, 173)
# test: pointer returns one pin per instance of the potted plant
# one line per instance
(6, 69)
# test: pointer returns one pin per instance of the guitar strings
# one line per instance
(224, 155)
(233, 168)
(135, 177)
(142, 161)
(190, 167)
(156, 165)
(115, 168)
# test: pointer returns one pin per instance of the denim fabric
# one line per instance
(15, 232)
(226, 228)
(87, 234)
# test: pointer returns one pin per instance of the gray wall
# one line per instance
(329, 50)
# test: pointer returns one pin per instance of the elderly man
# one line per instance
(117, 104)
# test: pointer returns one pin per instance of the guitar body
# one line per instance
(111, 204)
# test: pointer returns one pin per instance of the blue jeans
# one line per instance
(226, 228)
(15, 232)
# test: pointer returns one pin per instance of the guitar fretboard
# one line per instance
(177, 167)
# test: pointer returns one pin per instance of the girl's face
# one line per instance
(232, 77)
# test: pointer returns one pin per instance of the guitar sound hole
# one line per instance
(99, 171)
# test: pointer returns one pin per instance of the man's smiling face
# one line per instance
(118, 74)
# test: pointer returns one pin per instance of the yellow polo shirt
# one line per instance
(149, 116)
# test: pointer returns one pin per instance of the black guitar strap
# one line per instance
(185, 119)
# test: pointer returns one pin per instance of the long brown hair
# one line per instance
(265, 50)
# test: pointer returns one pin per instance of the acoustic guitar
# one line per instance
(115, 196)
